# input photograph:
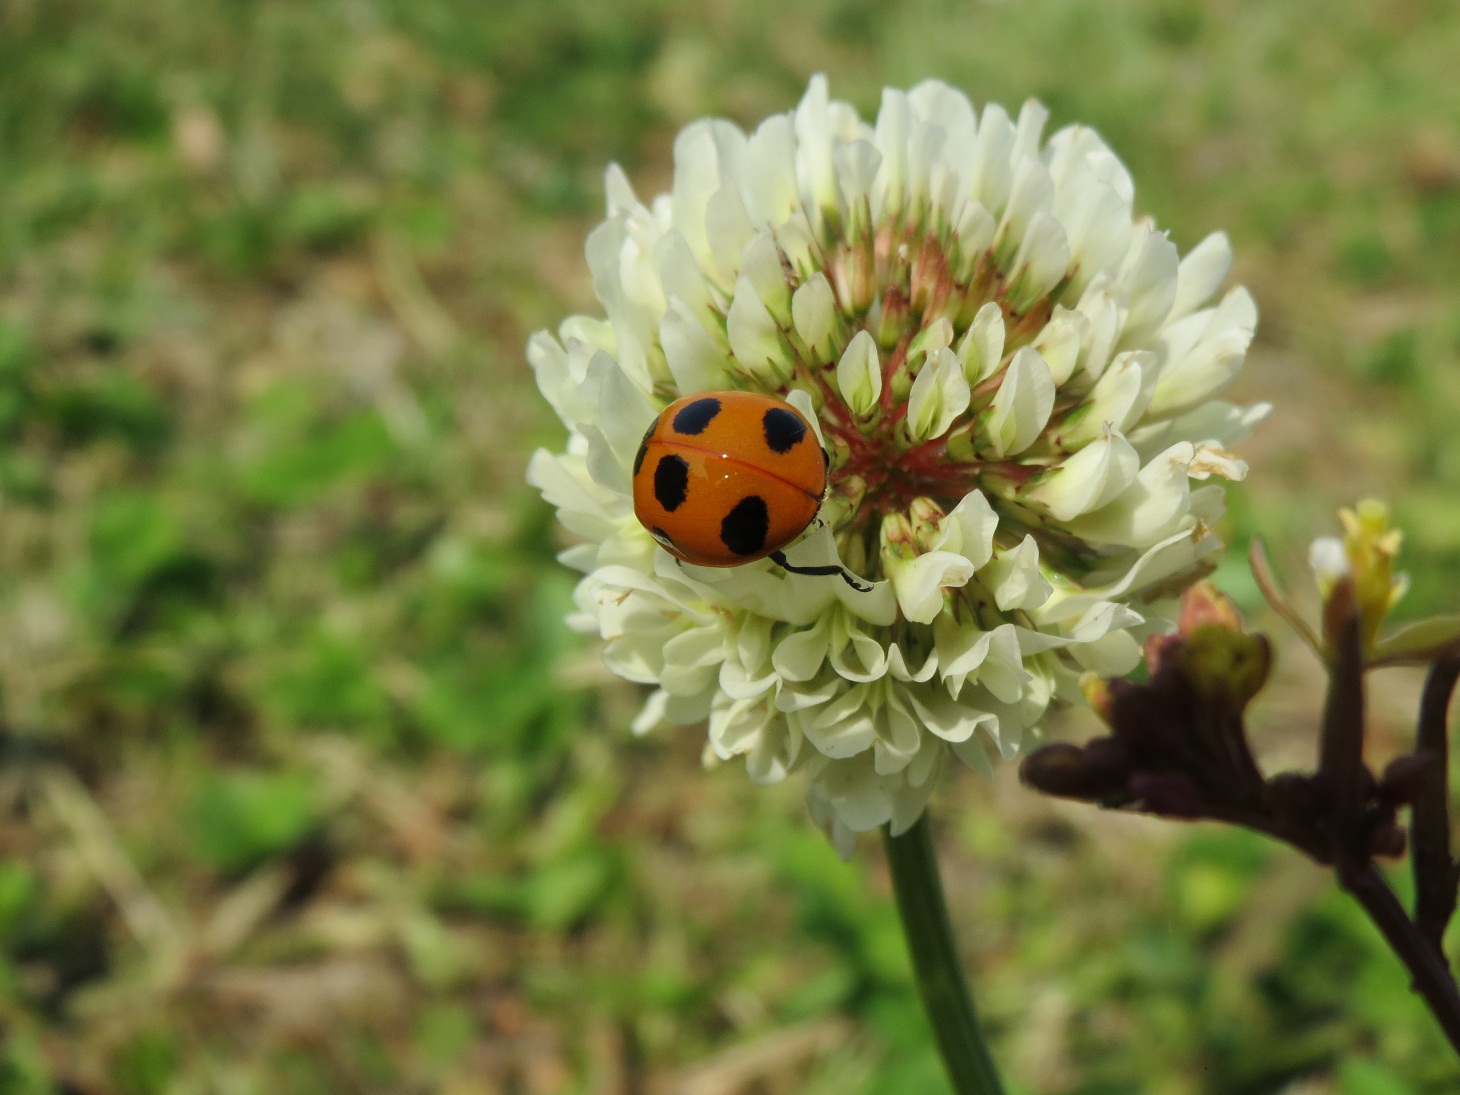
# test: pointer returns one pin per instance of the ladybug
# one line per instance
(725, 478)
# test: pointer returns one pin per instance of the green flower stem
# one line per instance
(919, 890)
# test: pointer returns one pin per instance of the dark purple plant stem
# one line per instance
(1341, 749)
(1434, 870)
(1431, 977)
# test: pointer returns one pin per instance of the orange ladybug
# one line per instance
(724, 478)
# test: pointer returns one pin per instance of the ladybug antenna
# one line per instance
(780, 558)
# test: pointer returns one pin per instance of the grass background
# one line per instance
(303, 785)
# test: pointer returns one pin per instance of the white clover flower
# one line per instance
(1013, 379)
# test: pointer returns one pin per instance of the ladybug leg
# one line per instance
(779, 557)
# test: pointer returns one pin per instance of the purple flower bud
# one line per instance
(1387, 840)
(1404, 778)
(1098, 771)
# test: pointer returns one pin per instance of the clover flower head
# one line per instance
(1013, 378)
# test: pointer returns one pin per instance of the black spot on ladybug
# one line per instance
(744, 529)
(671, 481)
(783, 429)
(644, 445)
(693, 419)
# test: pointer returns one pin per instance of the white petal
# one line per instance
(961, 648)
(813, 310)
(1118, 399)
(1215, 421)
(754, 338)
(1060, 341)
(925, 168)
(680, 276)
(1002, 671)
(939, 395)
(993, 169)
(841, 728)
(1151, 509)
(1022, 405)
(947, 719)
(618, 192)
(1101, 619)
(555, 379)
(584, 506)
(949, 109)
(735, 727)
(974, 232)
(919, 582)
(741, 682)
(706, 153)
(969, 529)
(768, 178)
(696, 361)
(1328, 560)
(1098, 306)
(982, 350)
(622, 411)
(799, 243)
(1200, 274)
(1092, 478)
(802, 401)
(898, 735)
(859, 374)
(651, 715)
(698, 647)
(604, 252)
(855, 655)
(857, 165)
(761, 263)
(800, 696)
(1148, 279)
(1041, 263)
(727, 229)
(965, 654)
(817, 548)
(932, 338)
(1098, 223)
(973, 753)
(894, 121)
(1112, 655)
(1014, 579)
(1031, 193)
(814, 142)
(1171, 556)
(1076, 150)
(1203, 372)
(1032, 116)
(1211, 459)
(898, 669)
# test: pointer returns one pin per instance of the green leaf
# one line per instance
(17, 888)
(1371, 1078)
(1419, 643)
(241, 818)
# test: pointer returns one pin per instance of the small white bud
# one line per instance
(859, 375)
(813, 310)
(982, 349)
(939, 395)
(1022, 405)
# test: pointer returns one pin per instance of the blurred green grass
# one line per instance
(305, 787)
